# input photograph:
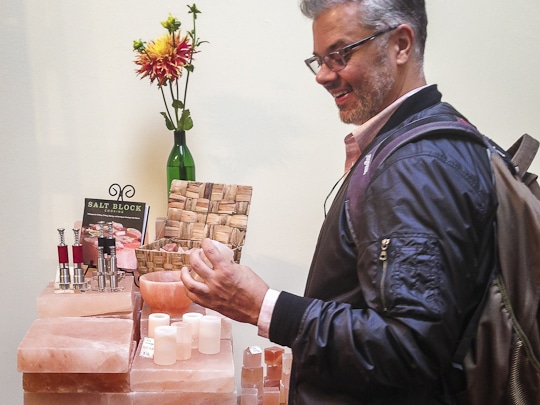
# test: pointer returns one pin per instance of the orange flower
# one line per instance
(164, 59)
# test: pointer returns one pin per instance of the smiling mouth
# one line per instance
(340, 95)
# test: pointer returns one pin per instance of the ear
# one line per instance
(403, 41)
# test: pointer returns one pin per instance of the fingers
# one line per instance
(198, 264)
(216, 252)
(192, 286)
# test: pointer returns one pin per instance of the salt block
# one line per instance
(272, 355)
(271, 396)
(76, 382)
(286, 359)
(188, 398)
(249, 396)
(252, 357)
(76, 345)
(90, 303)
(271, 383)
(274, 372)
(32, 398)
(253, 378)
(201, 373)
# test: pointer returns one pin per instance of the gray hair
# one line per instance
(379, 14)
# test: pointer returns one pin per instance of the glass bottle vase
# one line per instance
(180, 165)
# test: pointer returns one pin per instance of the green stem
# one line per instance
(175, 108)
(165, 102)
(194, 44)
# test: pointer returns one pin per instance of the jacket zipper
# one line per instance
(383, 257)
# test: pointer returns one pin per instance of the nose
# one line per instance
(325, 75)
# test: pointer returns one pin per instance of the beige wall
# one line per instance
(74, 119)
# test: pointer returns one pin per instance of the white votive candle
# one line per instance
(165, 345)
(193, 319)
(155, 320)
(183, 340)
(209, 334)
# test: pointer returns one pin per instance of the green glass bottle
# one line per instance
(180, 165)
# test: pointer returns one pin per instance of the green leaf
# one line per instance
(193, 9)
(169, 124)
(177, 104)
(185, 122)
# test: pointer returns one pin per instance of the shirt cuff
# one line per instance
(265, 316)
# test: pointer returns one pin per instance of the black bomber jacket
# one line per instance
(381, 317)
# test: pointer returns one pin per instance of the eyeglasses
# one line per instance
(337, 60)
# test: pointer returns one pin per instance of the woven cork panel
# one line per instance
(200, 210)
(196, 211)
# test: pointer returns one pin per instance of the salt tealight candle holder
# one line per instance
(209, 334)
(155, 320)
(165, 345)
(183, 340)
(193, 318)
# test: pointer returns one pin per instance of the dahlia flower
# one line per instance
(163, 61)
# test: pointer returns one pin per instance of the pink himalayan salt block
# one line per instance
(76, 382)
(155, 320)
(165, 345)
(209, 334)
(252, 357)
(271, 396)
(271, 382)
(253, 378)
(286, 361)
(201, 373)
(272, 355)
(249, 396)
(76, 345)
(32, 398)
(186, 398)
(183, 340)
(283, 394)
(274, 372)
(90, 303)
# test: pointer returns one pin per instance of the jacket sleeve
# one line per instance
(424, 255)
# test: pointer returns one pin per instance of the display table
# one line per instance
(85, 349)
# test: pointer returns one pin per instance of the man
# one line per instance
(398, 269)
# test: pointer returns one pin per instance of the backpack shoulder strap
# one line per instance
(523, 152)
(441, 124)
(438, 124)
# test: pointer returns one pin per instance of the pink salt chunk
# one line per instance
(272, 355)
(76, 345)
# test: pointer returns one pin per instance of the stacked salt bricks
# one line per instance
(85, 349)
(272, 387)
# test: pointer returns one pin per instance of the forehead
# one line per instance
(337, 27)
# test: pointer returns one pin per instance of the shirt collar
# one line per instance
(363, 135)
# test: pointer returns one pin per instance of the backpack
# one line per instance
(499, 351)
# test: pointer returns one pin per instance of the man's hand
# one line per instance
(229, 288)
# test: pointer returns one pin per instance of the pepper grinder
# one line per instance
(63, 262)
(101, 265)
(78, 272)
